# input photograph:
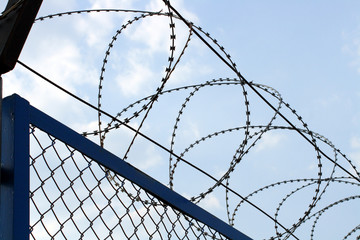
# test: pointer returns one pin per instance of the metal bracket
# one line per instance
(15, 24)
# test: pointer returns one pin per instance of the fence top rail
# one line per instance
(124, 169)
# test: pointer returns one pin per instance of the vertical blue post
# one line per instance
(14, 189)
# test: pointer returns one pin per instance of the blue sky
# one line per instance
(309, 51)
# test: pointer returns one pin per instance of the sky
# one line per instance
(307, 52)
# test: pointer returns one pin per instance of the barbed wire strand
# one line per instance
(154, 142)
(241, 80)
(252, 88)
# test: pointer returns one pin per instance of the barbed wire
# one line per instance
(252, 134)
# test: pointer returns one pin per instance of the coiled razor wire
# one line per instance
(141, 108)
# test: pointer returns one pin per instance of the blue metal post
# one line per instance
(14, 190)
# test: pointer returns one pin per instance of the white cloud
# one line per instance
(352, 47)
(151, 32)
(38, 92)
(64, 63)
(54, 6)
(150, 41)
(210, 202)
(192, 130)
(3, 5)
(151, 160)
(178, 5)
(188, 71)
(59, 60)
(329, 100)
(97, 28)
(355, 154)
(355, 142)
(52, 226)
(124, 4)
(59, 56)
(138, 78)
(155, 32)
(269, 140)
(86, 127)
(355, 157)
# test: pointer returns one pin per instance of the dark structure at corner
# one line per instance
(15, 25)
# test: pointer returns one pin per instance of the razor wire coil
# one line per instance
(252, 134)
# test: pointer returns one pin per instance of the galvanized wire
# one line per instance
(136, 198)
(71, 197)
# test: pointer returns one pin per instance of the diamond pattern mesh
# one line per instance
(74, 197)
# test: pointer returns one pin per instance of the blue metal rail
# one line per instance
(14, 222)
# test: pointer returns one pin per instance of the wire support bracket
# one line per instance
(15, 24)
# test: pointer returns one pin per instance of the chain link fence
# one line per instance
(74, 197)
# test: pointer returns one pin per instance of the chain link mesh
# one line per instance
(74, 197)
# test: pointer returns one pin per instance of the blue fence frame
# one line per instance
(17, 115)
